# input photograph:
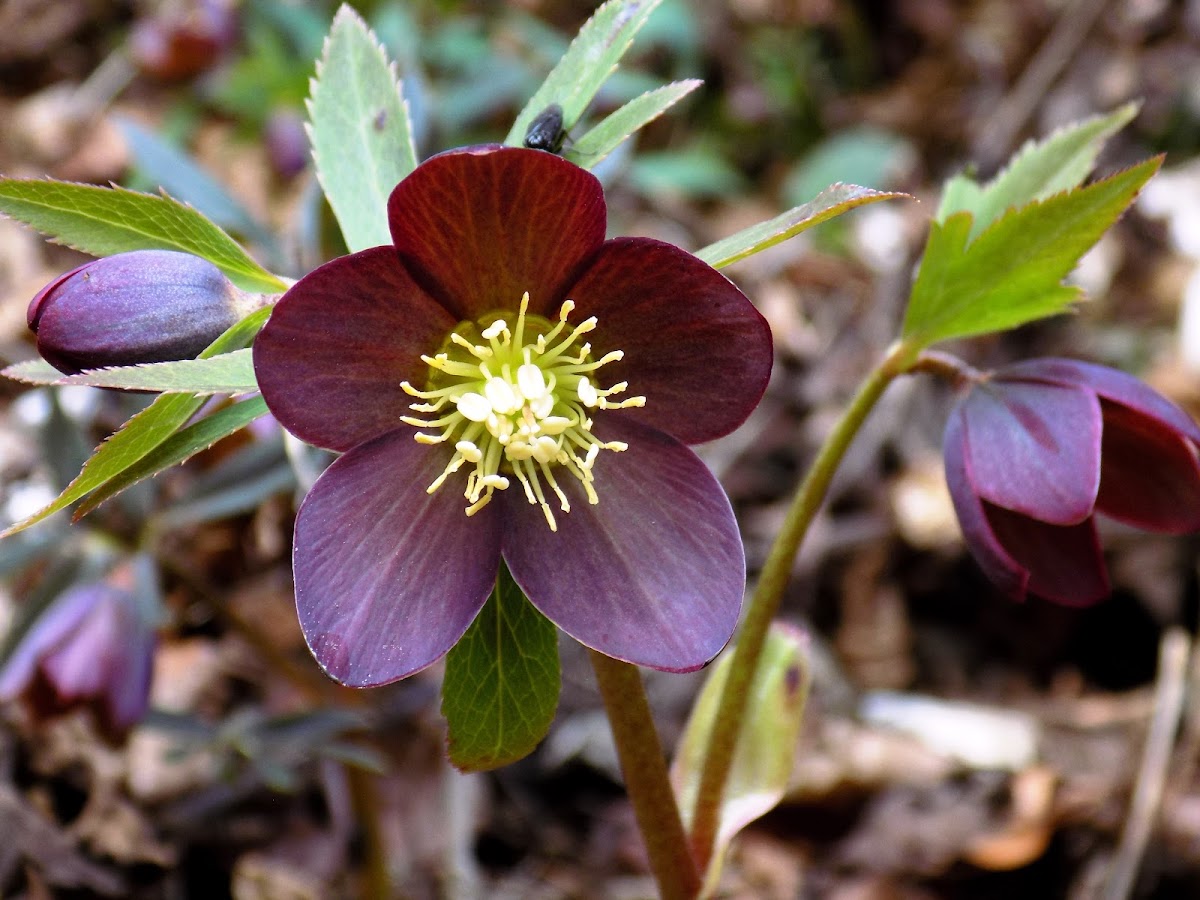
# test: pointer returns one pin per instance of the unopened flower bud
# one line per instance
(138, 307)
(92, 648)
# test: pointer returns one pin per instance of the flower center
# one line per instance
(517, 406)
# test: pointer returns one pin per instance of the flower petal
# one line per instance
(55, 624)
(483, 225)
(330, 359)
(1034, 448)
(1111, 384)
(1149, 476)
(654, 573)
(999, 566)
(1064, 562)
(694, 346)
(388, 577)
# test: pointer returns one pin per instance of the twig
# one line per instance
(1173, 655)
(999, 134)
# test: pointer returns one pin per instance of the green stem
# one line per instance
(764, 604)
(646, 781)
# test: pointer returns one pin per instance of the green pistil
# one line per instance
(518, 410)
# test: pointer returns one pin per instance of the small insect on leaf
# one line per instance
(546, 131)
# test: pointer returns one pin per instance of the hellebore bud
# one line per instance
(138, 307)
(92, 648)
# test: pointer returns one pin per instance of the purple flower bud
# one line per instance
(1034, 451)
(139, 307)
(91, 648)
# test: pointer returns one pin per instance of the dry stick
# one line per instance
(645, 770)
(1173, 654)
(1000, 132)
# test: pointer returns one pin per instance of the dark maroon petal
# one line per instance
(1064, 562)
(1111, 384)
(330, 359)
(695, 347)
(999, 566)
(389, 577)
(653, 574)
(1034, 448)
(481, 226)
(1149, 474)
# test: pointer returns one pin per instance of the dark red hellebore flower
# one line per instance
(91, 649)
(1035, 450)
(504, 383)
(138, 307)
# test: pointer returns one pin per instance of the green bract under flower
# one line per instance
(505, 384)
(520, 401)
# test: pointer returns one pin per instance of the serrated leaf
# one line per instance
(615, 128)
(229, 373)
(762, 763)
(501, 684)
(104, 221)
(1013, 272)
(145, 431)
(583, 69)
(1036, 171)
(360, 131)
(178, 448)
(831, 202)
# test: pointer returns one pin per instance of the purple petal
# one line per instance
(1111, 384)
(1064, 562)
(1150, 476)
(330, 359)
(481, 226)
(1001, 569)
(695, 347)
(1034, 448)
(53, 626)
(654, 573)
(388, 577)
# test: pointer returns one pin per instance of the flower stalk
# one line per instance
(764, 603)
(645, 770)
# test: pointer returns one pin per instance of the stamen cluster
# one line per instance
(520, 402)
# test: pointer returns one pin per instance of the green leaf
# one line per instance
(361, 136)
(179, 447)
(229, 373)
(145, 431)
(1013, 272)
(501, 684)
(1036, 171)
(583, 69)
(831, 202)
(762, 763)
(137, 437)
(103, 221)
(615, 128)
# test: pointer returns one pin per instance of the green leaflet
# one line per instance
(831, 202)
(104, 221)
(587, 64)
(501, 685)
(1036, 171)
(1013, 272)
(361, 136)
